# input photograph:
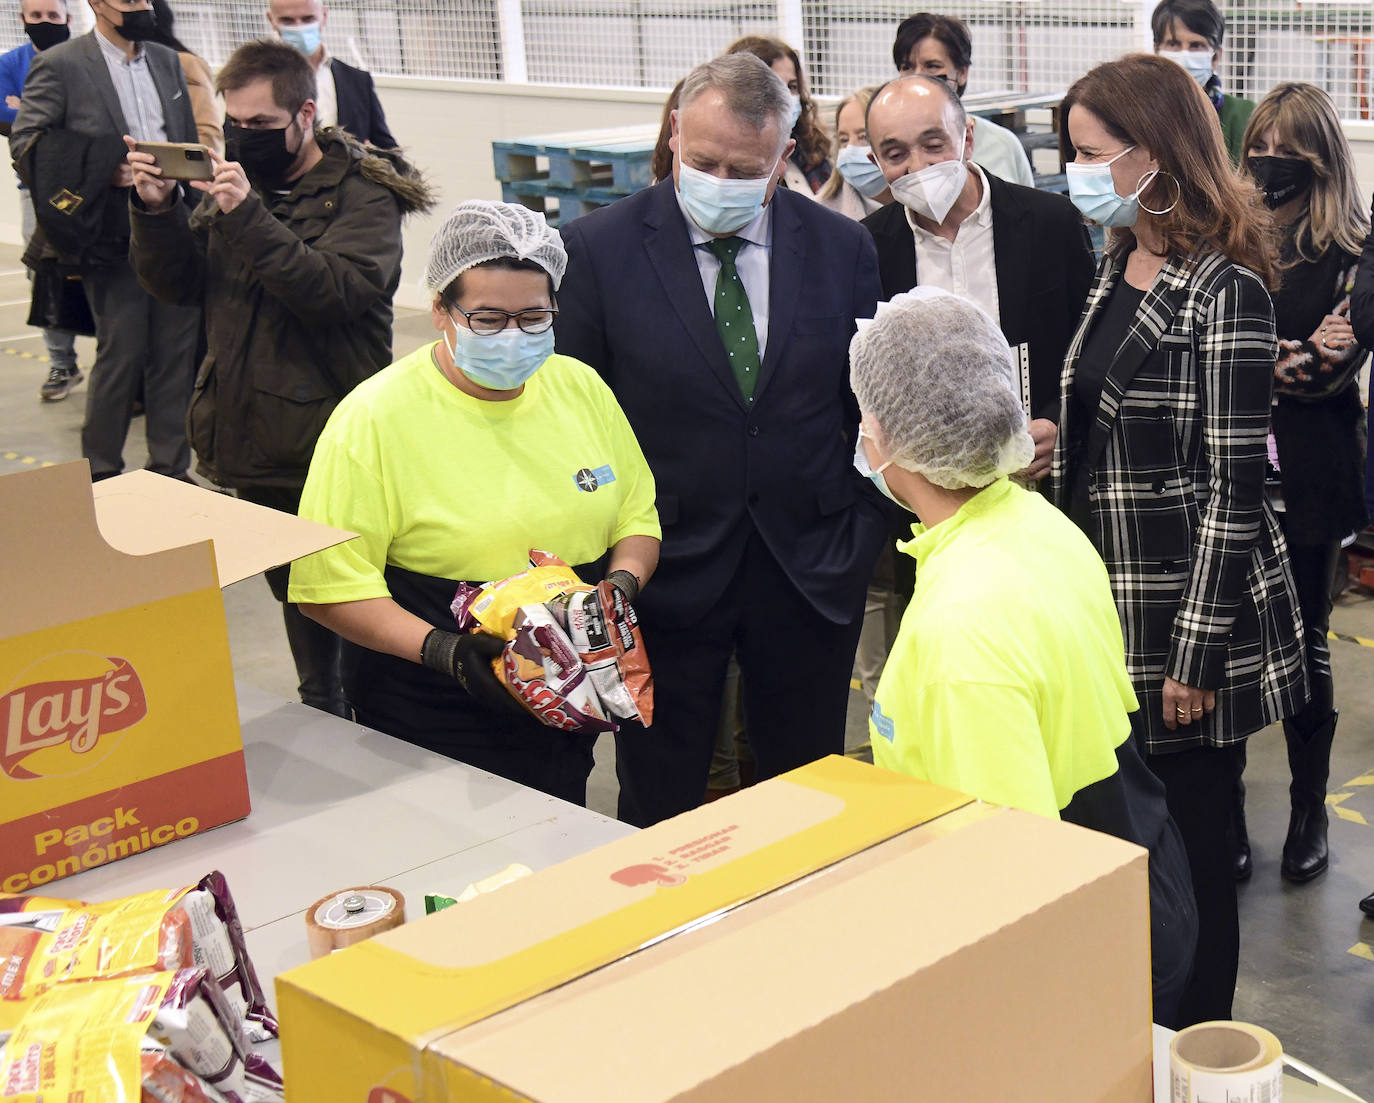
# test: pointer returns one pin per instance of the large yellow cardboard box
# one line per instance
(840, 933)
(119, 727)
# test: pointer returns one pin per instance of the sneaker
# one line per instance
(60, 383)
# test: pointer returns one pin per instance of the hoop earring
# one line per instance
(1140, 187)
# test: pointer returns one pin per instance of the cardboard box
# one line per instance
(840, 933)
(118, 723)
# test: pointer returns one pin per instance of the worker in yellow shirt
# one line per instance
(451, 464)
(1007, 679)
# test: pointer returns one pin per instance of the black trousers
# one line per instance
(145, 344)
(1314, 565)
(794, 667)
(1200, 789)
(314, 648)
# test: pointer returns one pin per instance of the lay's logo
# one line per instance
(57, 726)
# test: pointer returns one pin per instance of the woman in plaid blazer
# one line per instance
(1164, 414)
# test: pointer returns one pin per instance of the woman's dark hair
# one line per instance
(661, 163)
(951, 33)
(1151, 102)
(813, 144)
(164, 19)
(450, 295)
(1199, 16)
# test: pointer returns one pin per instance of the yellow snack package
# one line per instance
(492, 608)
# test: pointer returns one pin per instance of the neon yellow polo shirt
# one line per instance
(1007, 680)
(450, 486)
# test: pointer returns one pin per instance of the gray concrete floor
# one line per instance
(1307, 968)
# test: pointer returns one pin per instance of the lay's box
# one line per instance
(118, 721)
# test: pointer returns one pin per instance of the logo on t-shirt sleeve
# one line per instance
(590, 478)
(883, 725)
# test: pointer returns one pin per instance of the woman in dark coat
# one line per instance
(1297, 154)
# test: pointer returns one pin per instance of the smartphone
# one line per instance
(180, 160)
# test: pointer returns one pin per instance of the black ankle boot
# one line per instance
(1309, 759)
(1243, 866)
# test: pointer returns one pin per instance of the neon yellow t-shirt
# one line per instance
(1007, 680)
(450, 486)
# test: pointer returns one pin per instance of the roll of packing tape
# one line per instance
(1237, 1062)
(343, 918)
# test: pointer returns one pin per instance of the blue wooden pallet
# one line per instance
(616, 160)
(571, 202)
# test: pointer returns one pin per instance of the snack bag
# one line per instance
(604, 629)
(117, 1038)
(492, 608)
(541, 668)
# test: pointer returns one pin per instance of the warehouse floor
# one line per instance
(1307, 969)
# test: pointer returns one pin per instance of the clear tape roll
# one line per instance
(351, 915)
(1236, 1062)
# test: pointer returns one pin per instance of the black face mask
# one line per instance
(263, 154)
(138, 26)
(43, 35)
(1281, 178)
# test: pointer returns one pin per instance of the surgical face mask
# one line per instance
(866, 177)
(1281, 178)
(720, 206)
(1093, 191)
(263, 154)
(499, 361)
(875, 476)
(304, 37)
(933, 191)
(44, 35)
(796, 111)
(1197, 62)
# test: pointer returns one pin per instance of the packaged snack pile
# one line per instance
(151, 996)
(574, 655)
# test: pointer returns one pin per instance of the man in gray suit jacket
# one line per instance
(109, 83)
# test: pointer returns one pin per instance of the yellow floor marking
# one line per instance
(1350, 639)
(1363, 779)
(1350, 814)
(1362, 949)
(1334, 799)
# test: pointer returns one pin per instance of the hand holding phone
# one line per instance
(153, 187)
(179, 160)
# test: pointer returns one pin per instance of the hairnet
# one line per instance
(480, 230)
(935, 373)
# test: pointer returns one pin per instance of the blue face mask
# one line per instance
(305, 38)
(861, 465)
(499, 361)
(1093, 191)
(865, 177)
(796, 111)
(720, 206)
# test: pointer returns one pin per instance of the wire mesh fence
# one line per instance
(1019, 46)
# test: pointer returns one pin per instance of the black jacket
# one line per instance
(82, 218)
(1044, 269)
(1362, 297)
(360, 112)
(297, 293)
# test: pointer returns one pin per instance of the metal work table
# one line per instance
(337, 805)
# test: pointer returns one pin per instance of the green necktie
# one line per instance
(734, 319)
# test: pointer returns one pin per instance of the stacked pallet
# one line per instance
(566, 175)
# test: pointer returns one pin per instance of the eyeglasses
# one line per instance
(486, 322)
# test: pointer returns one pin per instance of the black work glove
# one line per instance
(467, 659)
(626, 583)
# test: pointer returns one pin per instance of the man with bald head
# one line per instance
(719, 308)
(346, 96)
(1021, 254)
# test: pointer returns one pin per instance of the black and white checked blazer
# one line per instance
(1176, 464)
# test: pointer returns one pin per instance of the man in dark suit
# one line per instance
(347, 96)
(102, 86)
(719, 308)
(1021, 254)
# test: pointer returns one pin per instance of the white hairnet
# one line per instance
(935, 373)
(480, 229)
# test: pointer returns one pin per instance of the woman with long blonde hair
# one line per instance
(1298, 156)
(856, 187)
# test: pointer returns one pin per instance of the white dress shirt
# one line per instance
(138, 97)
(1000, 151)
(751, 262)
(326, 98)
(967, 265)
